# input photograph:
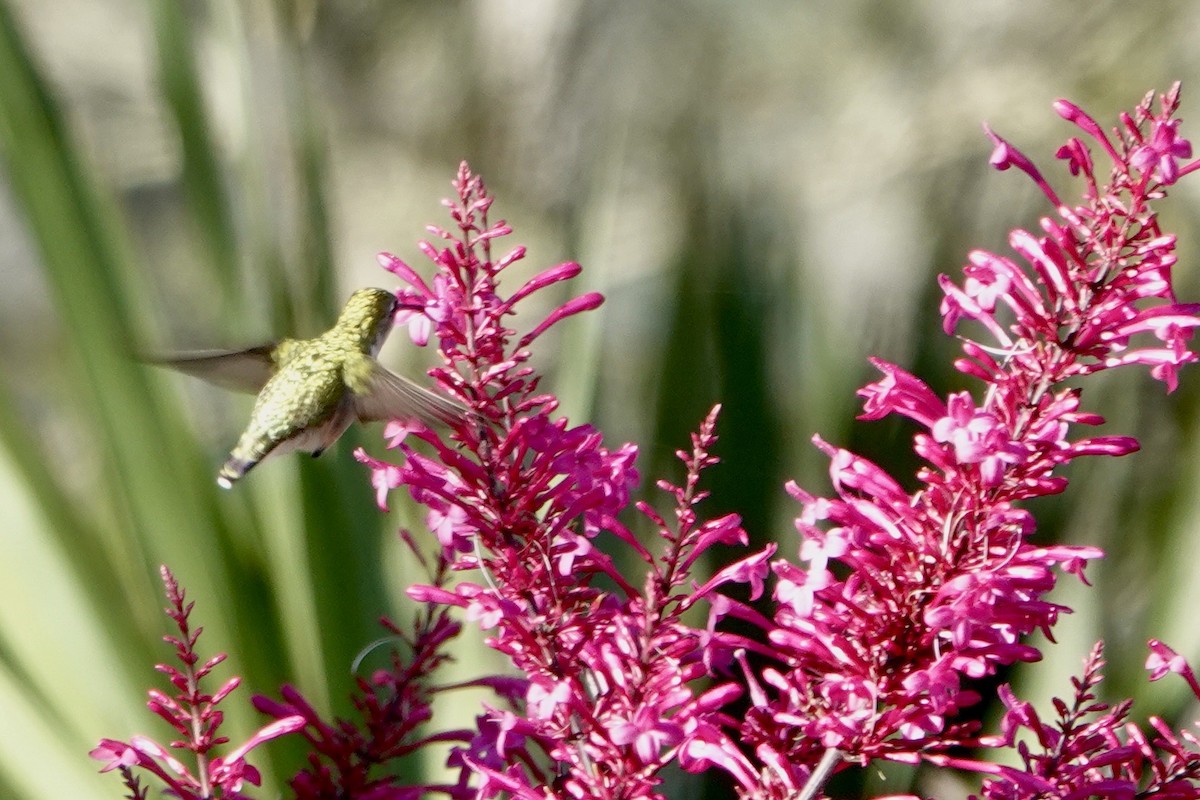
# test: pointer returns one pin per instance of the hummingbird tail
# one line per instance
(232, 470)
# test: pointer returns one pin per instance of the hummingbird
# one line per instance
(311, 390)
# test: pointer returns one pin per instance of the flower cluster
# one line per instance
(348, 759)
(937, 587)
(610, 674)
(872, 643)
(1092, 750)
(194, 714)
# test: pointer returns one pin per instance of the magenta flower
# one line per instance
(522, 497)
(1090, 750)
(359, 758)
(940, 587)
(194, 714)
(874, 639)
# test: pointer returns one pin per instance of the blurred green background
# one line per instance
(764, 191)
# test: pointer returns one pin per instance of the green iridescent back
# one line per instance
(310, 384)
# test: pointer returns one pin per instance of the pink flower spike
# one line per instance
(869, 642)
(904, 597)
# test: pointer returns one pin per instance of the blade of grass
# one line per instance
(202, 175)
(155, 478)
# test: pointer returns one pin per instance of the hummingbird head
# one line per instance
(367, 318)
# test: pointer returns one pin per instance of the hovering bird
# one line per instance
(311, 390)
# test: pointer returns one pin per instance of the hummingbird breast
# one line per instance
(311, 390)
(304, 405)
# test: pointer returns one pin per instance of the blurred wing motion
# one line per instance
(240, 370)
(379, 394)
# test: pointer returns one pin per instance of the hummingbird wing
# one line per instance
(380, 394)
(241, 370)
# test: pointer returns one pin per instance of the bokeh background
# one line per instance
(764, 192)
